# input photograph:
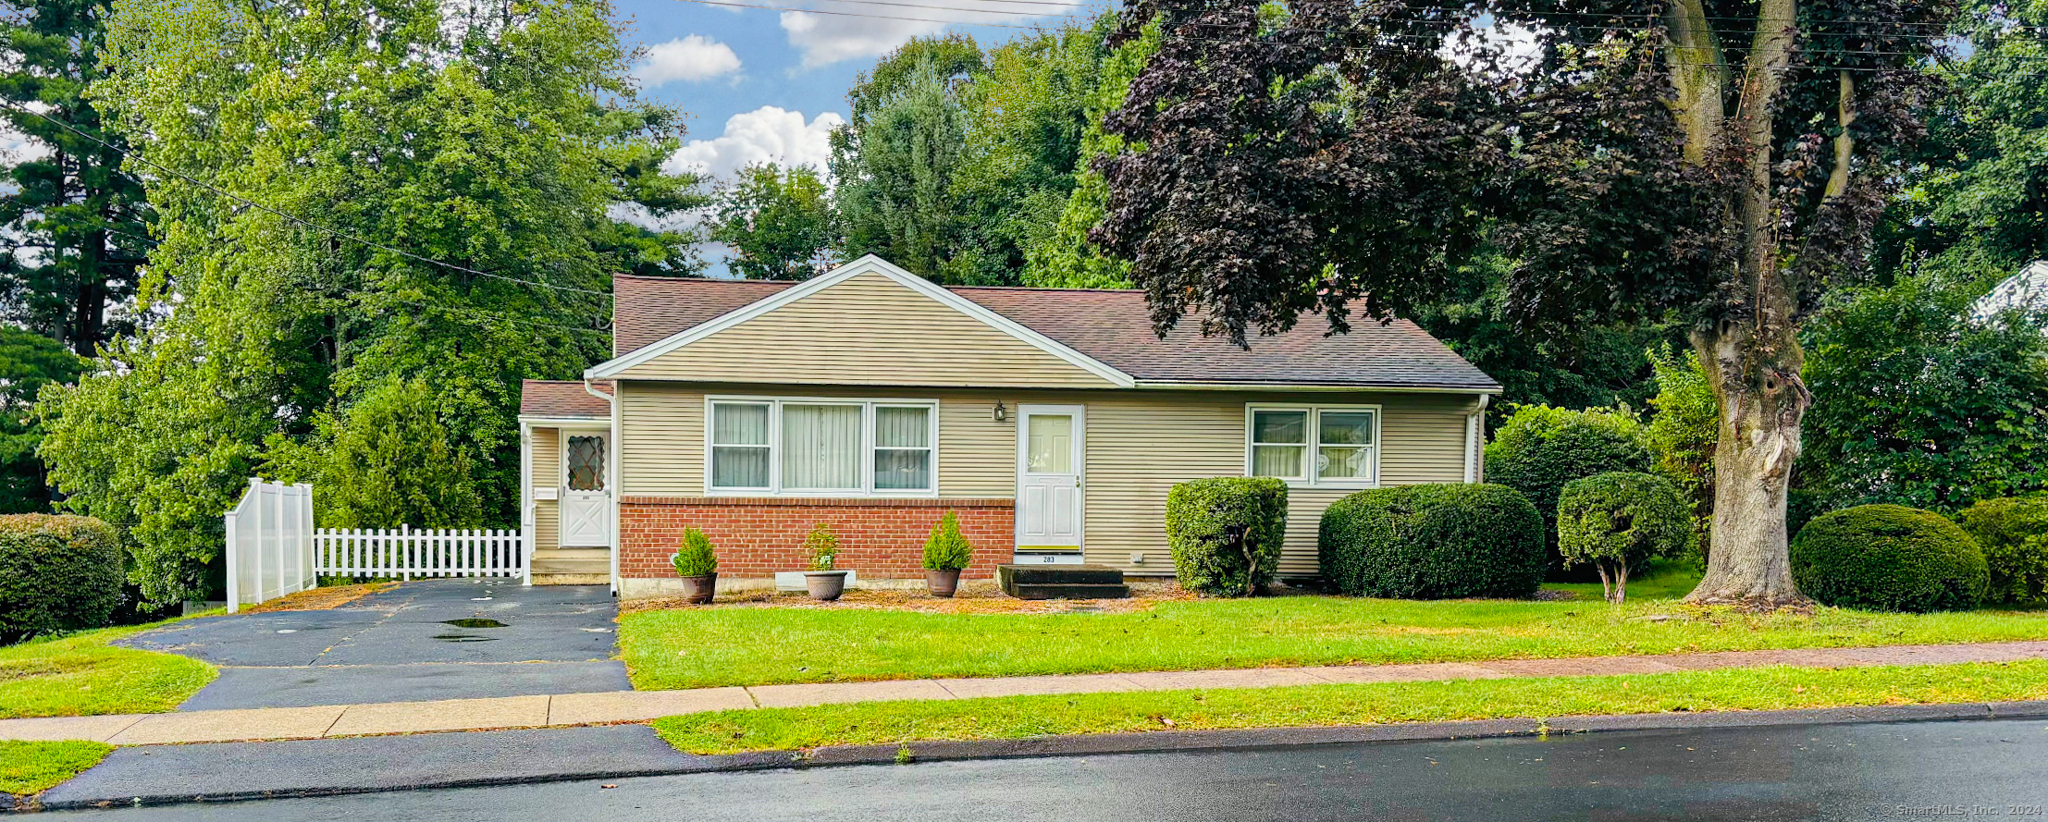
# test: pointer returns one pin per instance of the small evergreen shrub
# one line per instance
(1541, 448)
(1226, 532)
(1619, 520)
(822, 546)
(1888, 558)
(2013, 534)
(1433, 542)
(57, 573)
(946, 549)
(695, 558)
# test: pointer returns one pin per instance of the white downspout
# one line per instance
(526, 504)
(611, 472)
(1475, 441)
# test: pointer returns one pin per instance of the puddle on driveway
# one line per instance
(465, 638)
(473, 622)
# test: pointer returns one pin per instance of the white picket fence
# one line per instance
(405, 553)
(270, 543)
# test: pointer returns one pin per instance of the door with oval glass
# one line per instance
(585, 499)
(1051, 474)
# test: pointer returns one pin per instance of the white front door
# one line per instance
(586, 502)
(1050, 472)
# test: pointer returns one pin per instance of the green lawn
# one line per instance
(81, 675)
(779, 729)
(28, 768)
(700, 647)
(1662, 579)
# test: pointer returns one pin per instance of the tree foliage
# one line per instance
(385, 461)
(1618, 521)
(895, 158)
(778, 222)
(1683, 429)
(28, 361)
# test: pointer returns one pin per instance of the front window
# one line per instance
(823, 447)
(1318, 445)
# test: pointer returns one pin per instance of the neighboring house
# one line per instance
(2027, 290)
(1052, 421)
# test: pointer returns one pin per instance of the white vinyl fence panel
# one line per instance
(270, 543)
(405, 553)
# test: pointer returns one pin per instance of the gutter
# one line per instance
(611, 471)
(1475, 441)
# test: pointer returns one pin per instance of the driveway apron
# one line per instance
(433, 639)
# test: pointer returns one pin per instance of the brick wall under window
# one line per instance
(758, 536)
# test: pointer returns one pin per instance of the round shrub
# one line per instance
(1619, 520)
(1226, 533)
(1541, 448)
(57, 573)
(1888, 558)
(1433, 542)
(2013, 534)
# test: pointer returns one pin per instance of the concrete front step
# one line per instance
(1062, 581)
(572, 561)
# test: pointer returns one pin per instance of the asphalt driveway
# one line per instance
(433, 639)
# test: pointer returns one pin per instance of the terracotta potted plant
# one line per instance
(697, 564)
(822, 581)
(945, 553)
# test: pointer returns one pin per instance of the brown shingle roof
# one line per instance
(1114, 327)
(563, 399)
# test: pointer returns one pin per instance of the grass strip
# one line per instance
(1750, 689)
(749, 645)
(82, 675)
(29, 768)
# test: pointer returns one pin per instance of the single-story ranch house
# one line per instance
(1052, 421)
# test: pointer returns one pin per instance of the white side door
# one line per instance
(585, 501)
(1050, 479)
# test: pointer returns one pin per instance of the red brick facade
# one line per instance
(758, 536)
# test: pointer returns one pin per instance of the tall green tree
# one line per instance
(73, 222)
(893, 162)
(448, 171)
(28, 361)
(778, 222)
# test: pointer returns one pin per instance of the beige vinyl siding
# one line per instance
(1139, 443)
(867, 330)
(547, 473)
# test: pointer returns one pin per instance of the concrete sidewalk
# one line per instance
(639, 706)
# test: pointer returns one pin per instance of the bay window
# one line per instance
(1325, 445)
(822, 447)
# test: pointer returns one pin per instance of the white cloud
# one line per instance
(689, 59)
(765, 135)
(826, 39)
(16, 147)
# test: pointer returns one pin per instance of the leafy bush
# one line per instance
(57, 573)
(1433, 542)
(1619, 520)
(1685, 431)
(1226, 533)
(822, 546)
(946, 549)
(387, 460)
(2013, 534)
(1541, 448)
(1888, 558)
(695, 558)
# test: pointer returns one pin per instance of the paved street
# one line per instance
(1877, 771)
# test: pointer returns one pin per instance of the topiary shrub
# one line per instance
(1226, 532)
(946, 549)
(57, 573)
(2013, 534)
(1620, 520)
(1433, 542)
(695, 557)
(1540, 448)
(1888, 558)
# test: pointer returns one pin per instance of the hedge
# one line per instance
(1539, 449)
(2013, 534)
(1433, 542)
(1888, 558)
(1226, 532)
(57, 573)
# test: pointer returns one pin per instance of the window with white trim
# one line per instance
(1328, 445)
(822, 447)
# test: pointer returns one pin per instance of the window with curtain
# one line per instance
(1324, 445)
(823, 447)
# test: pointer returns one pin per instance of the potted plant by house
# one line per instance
(946, 552)
(822, 581)
(697, 564)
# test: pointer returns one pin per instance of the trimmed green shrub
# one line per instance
(1888, 558)
(57, 573)
(1620, 520)
(946, 549)
(1433, 542)
(2013, 534)
(1541, 448)
(1226, 532)
(695, 558)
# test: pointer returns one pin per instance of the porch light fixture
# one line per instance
(999, 412)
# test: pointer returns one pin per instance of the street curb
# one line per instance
(1153, 742)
